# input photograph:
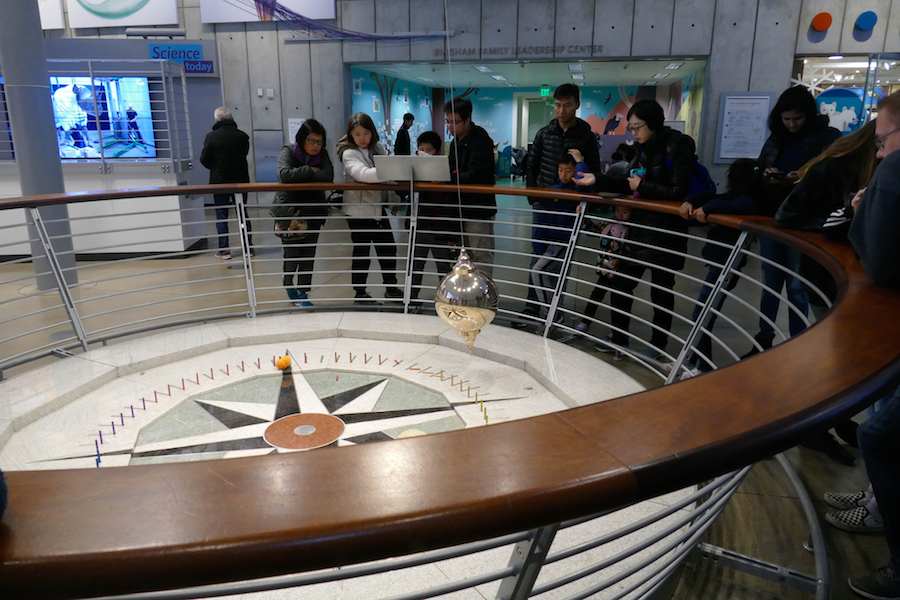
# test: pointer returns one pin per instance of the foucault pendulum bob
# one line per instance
(466, 299)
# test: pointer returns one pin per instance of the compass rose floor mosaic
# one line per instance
(214, 392)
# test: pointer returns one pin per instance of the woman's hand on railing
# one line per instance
(686, 210)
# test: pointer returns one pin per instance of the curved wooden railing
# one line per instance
(118, 530)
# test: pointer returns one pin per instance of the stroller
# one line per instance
(519, 158)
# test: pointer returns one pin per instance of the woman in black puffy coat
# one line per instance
(667, 156)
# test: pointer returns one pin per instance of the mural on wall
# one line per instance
(246, 11)
(121, 13)
(604, 107)
(51, 14)
(393, 98)
(843, 107)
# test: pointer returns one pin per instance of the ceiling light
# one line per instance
(836, 57)
(887, 67)
(651, 82)
(580, 83)
(483, 69)
(424, 79)
(660, 75)
(674, 65)
(498, 77)
(577, 76)
(805, 61)
(576, 67)
(511, 84)
(838, 77)
(857, 70)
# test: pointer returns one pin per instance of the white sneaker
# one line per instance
(688, 373)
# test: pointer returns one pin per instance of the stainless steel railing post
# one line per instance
(564, 268)
(704, 312)
(411, 245)
(64, 291)
(245, 252)
(527, 559)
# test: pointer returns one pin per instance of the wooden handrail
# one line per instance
(128, 529)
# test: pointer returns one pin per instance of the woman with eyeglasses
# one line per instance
(299, 215)
(667, 157)
(798, 134)
(366, 209)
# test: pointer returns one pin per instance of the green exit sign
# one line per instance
(545, 91)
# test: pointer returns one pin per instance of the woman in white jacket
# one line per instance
(366, 209)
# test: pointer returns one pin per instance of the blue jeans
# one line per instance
(775, 278)
(881, 454)
(704, 343)
(223, 202)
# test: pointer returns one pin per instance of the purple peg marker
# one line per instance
(113, 423)
(132, 410)
(101, 436)
(122, 416)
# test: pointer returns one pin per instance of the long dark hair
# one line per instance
(796, 98)
(310, 126)
(859, 146)
(361, 120)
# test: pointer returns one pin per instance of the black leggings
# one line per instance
(663, 301)
(364, 232)
(298, 260)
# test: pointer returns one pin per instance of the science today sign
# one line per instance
(189, 55)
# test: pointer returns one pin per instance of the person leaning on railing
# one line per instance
(366, 209)
(300, 215)
(874, 237)
(472, 162)
(798, 134)
(667, 155)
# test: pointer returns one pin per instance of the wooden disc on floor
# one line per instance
(304, 431)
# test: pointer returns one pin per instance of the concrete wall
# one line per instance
(751, 45)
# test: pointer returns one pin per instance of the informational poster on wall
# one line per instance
(267, 146)
(294, 126)
(246, 11)
(51, 14)
(121, 13)
(743, 126)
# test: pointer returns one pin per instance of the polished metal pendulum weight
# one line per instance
(466, 299)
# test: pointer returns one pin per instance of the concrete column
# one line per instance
(23, 63)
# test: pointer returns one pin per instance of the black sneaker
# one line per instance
(763, 340)
(525, 323)
(884, 584)
(363, 299)
(223, 255)
(393, 293)
(847, 432)
(826, 444)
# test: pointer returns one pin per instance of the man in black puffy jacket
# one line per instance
(224, 153)
(565, 132)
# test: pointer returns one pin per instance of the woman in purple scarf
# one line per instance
(299, 215)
